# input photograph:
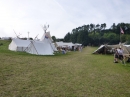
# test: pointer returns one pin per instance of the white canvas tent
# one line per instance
(69, 45)
(65, 44)
(127, 47)
(39, 48)
(18, 44)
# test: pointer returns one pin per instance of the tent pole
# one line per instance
(34, 47)
(27, 47)
(51, 45)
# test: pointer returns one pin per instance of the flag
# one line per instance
(122, 32)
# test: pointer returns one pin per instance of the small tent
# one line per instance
(109, 49)
(100, 50)
(65, 44)
(18, 44)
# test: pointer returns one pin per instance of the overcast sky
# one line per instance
(25, 16)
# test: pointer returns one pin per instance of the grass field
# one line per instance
(76, 74)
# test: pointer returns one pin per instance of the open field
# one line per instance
(76, 74)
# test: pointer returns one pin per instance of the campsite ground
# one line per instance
(73, 74)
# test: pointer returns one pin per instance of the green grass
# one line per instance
(76, 74)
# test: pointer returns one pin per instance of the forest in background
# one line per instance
(97, 34)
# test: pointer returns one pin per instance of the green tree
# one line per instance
(92, 27)
(67, 37)
(128, 39)
(110, 38)
(104, 25)
(54, 38)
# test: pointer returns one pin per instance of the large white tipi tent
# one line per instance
(39, 48)
(43, 47)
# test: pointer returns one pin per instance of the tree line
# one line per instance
(97, 34)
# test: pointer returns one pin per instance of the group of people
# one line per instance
(118, 55)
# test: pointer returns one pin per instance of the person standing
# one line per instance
(116, 56)
(120, 54)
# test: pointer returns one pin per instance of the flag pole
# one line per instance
(120, 37)
(121, 32)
